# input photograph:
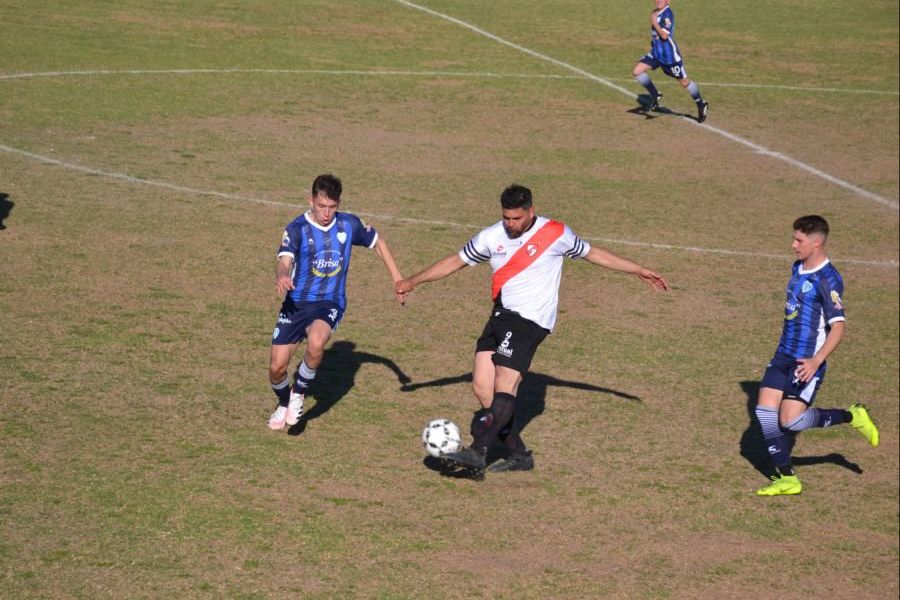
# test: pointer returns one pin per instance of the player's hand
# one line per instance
(653, 279)
(404, 286)
(807, 368)
(284, 285)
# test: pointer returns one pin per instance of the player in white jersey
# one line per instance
(526, 254)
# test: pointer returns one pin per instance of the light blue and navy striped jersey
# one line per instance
(813, 303)
(665, 51)
(322, 255)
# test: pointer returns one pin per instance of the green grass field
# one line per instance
(150, 155)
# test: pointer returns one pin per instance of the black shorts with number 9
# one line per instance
(512, 338)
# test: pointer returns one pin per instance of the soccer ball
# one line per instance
(441, 436)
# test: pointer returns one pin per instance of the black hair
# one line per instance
(516, 196)
(327, 185)
(811, 224)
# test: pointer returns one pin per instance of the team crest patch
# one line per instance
(531, 249)
(836, 300)
(342, 236)
(285, 239)
(806, 287)
(667, 23)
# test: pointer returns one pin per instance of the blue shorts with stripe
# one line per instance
(781, 375)
(294, 318)
(676, 70)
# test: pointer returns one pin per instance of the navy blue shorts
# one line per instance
(512, 338)
(780, 375)
(677, 70)
(293, 319)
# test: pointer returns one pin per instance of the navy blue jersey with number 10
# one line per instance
(322, 256)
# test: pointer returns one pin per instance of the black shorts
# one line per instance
(512, 338)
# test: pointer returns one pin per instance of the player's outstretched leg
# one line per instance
(862, 422)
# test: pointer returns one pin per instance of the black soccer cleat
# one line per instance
(654, 102)
(516, 462)
(468, 456)
(702, 111)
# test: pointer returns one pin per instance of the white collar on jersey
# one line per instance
(312, 222)
(802, 271)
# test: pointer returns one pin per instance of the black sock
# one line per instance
(502, 409)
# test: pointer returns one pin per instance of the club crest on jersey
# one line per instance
(327, 263)
(667, 23)
(531, 249)
(285, 239)
(806, 287)
(342, 236)
(836, 300)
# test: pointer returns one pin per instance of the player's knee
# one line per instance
(277, 372)
(791, 423)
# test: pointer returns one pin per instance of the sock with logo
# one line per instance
(645, 81)
(819, 417)
(305, 377)
(777, 444)
(283, 391)
(502, 409)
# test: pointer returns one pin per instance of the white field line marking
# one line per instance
(608, 83)
(403, 73)
(225, 196)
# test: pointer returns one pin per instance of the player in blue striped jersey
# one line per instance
(814, 325)
(311, 275)
(664, 54)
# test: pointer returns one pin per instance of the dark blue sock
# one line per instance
(283, 391)
(777, 444)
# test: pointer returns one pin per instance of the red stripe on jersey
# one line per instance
(527, 254)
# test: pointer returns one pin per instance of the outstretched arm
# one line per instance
(382, 250)
(614, 262)
(442, 268)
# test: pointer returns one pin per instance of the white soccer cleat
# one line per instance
(294, 409)
(276, 421)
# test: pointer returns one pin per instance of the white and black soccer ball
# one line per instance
(441, 436)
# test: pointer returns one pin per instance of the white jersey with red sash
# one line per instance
(527, 269)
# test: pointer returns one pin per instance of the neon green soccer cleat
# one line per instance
(782, 485)
(862, 422)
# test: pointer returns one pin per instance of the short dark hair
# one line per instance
(516, 196)
(811, 224)
(329, 185)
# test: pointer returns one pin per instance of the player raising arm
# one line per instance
(526, 255)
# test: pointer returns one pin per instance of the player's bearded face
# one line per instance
(516, 221)
(323, 209)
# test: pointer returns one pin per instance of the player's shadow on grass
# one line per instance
(644, 101)
(753, 445)
(6, 206)
(532, 391)
(336, 376)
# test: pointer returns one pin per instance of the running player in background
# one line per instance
(664, 54)
(311, 275)
(526, 254)
(814, 324)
